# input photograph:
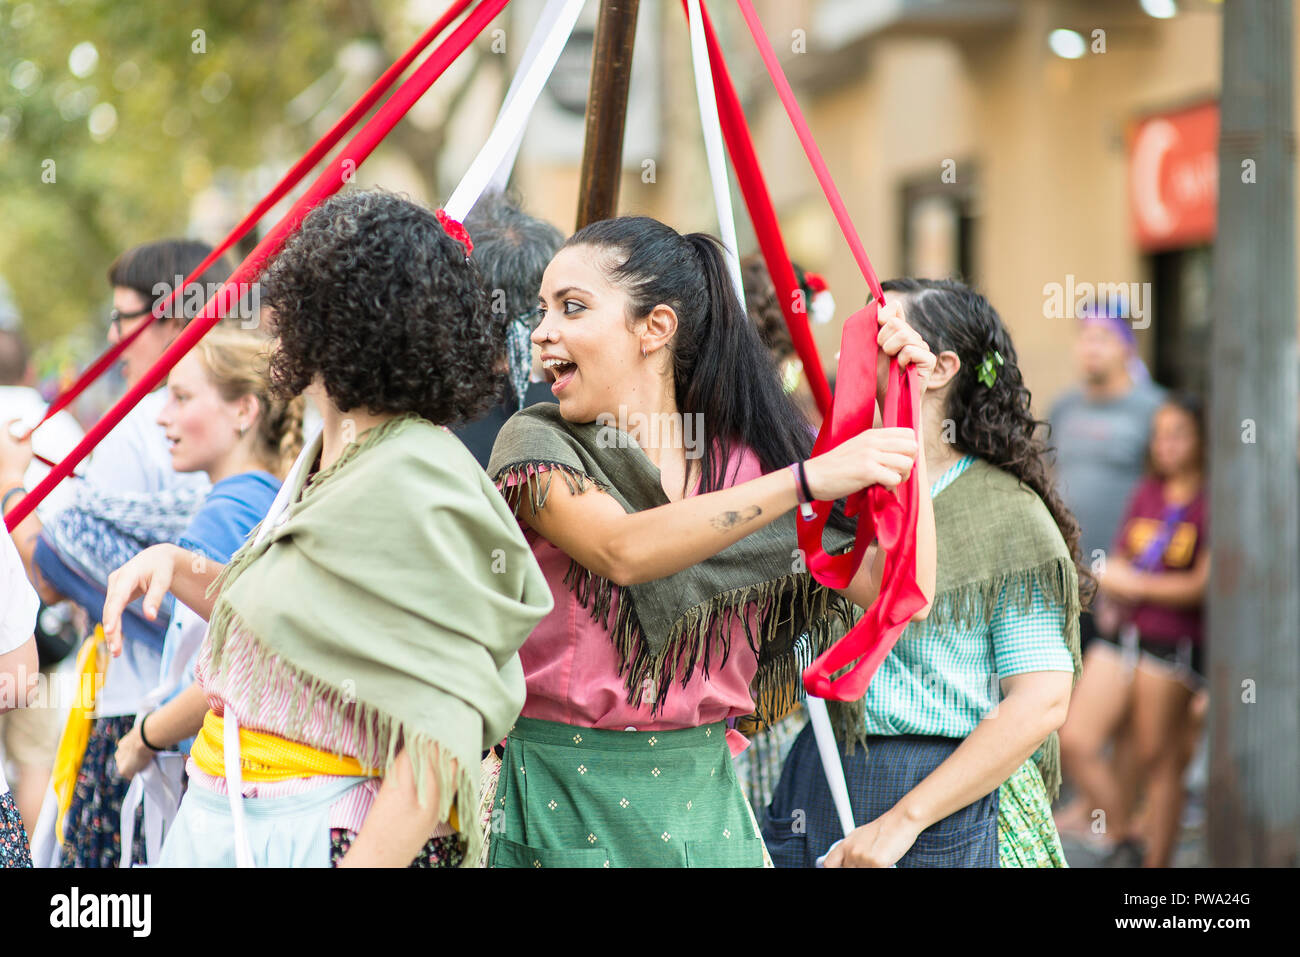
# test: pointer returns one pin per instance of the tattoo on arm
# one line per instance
(729, 520)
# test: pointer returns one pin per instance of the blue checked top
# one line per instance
(941, 678)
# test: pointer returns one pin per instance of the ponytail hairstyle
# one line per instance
(721, 369)
(238, 364)
(994, 422)
(764, 306)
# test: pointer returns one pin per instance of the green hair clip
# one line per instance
(988, 370)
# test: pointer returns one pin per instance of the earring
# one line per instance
(643, 352)
(242, 430)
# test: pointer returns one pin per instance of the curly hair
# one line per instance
(994, 422)
(372, 296)
(764, 307)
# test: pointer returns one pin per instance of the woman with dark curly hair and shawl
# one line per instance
(962, 759)
(658, 497)
(362, 645)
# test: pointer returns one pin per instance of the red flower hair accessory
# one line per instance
(456, 231)
(816, 282)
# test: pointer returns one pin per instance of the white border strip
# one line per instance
(503, 142)
(713, 145)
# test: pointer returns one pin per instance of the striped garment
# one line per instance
(942, 678)
(322, 729)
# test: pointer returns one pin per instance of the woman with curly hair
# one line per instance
(669, 544)
(362, 646)
(962, 758)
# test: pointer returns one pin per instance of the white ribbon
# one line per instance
(545, 24)
(494, 161)
(158, 787)
(158, 784)
(831, 764)
(230, 733)
(713, 145)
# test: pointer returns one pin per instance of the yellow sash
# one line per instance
(91, 662)
(269, 757)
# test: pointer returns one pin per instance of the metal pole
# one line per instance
(1254, 595)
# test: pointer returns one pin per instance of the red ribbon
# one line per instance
(455, 230)
(328, 182)
(753, 187)
(887, 517)
(290, 180)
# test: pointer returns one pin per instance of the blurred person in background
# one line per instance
(511, 250)
(30, 735)
(1099, 430)
(20, 400)
(1155, 580)
(105, 523)
(764, 308)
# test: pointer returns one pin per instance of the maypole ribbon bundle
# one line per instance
(331, 179)
(288, 182)
(753, 188)
(888, 517)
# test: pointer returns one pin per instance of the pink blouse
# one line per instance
(572, 667)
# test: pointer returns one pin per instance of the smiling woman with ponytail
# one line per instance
(670, 548)
(961, 718)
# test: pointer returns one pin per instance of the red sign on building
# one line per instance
(1174, 177)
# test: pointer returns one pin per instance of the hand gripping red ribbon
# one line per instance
(884, 516)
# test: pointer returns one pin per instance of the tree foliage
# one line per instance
(173, 98)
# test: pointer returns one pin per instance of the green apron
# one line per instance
(585, 797)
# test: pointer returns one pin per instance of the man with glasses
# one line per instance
(135, 454)
(68, 558)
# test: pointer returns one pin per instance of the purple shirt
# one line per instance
(1143, 521)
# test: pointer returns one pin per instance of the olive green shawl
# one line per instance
(996, 539)
(668, 628)
(396, 583)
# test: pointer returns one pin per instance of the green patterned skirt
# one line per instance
(584, 797)
(1027, 834)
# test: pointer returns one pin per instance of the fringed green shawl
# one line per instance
(397, 583)
(668, 628)
(993, 533)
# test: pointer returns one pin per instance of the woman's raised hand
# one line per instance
(897, 338)
(149, 574)
(873, 457)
